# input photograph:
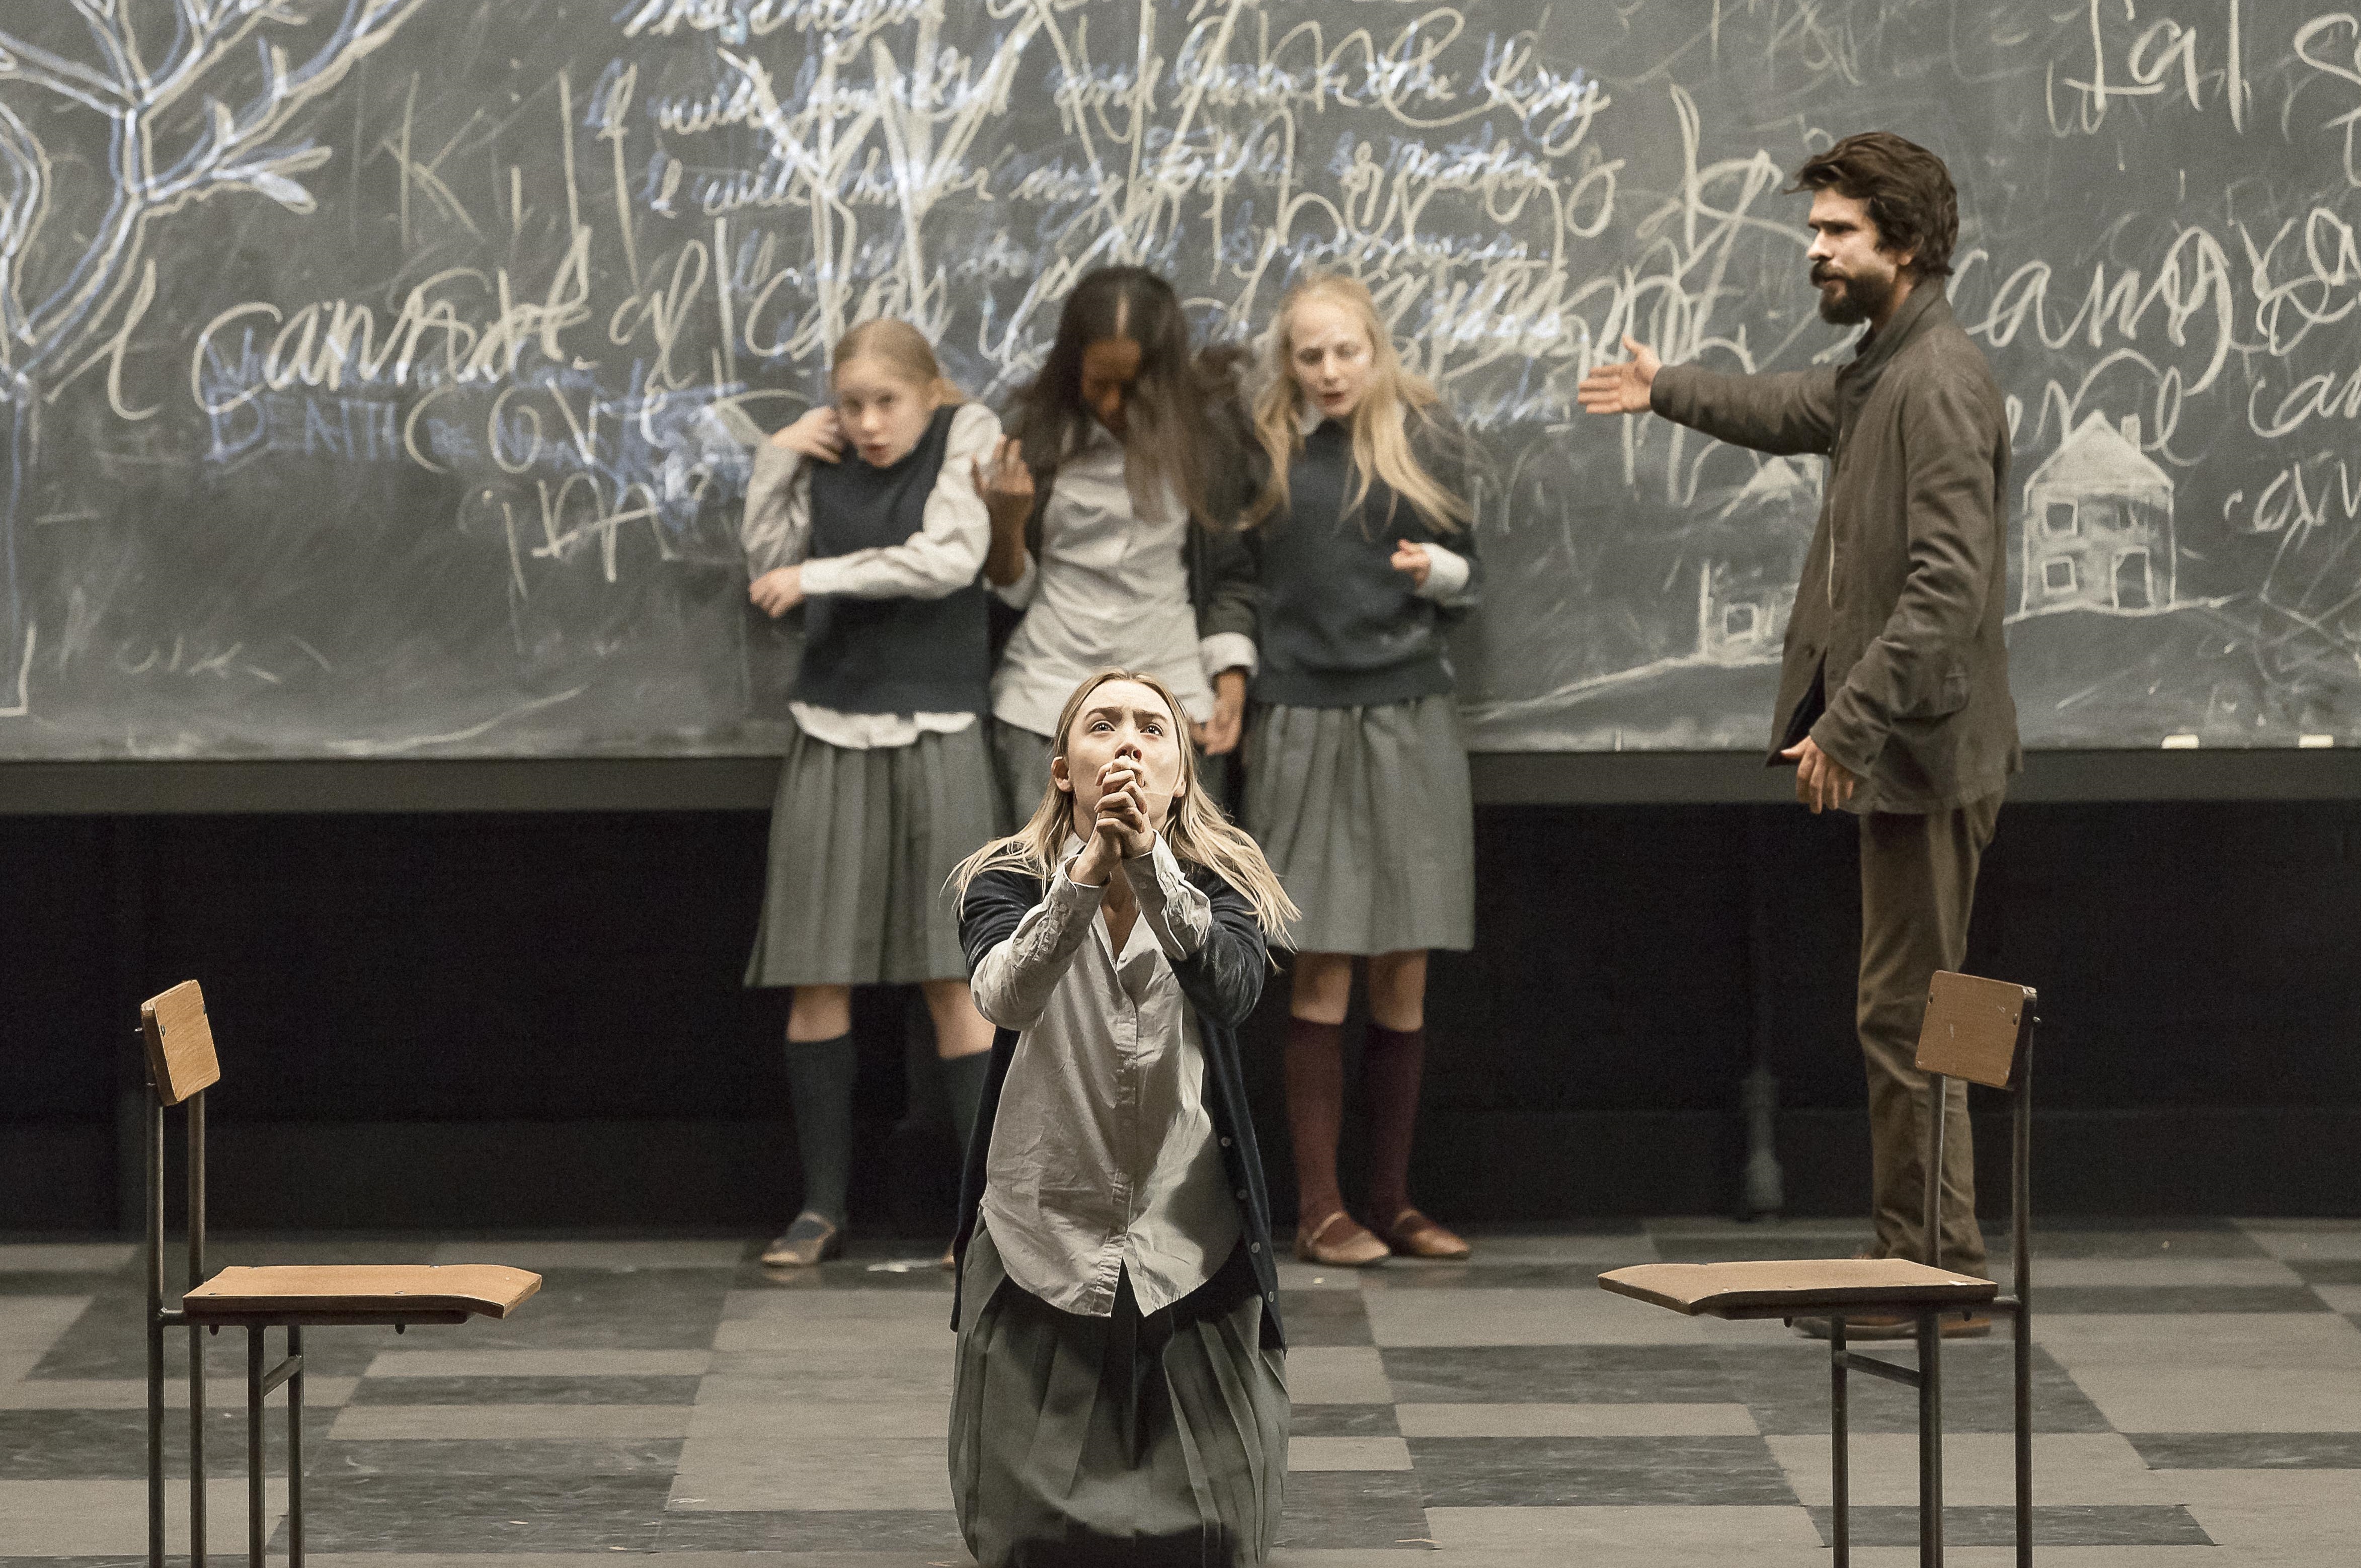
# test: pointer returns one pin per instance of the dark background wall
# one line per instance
(535, 1019)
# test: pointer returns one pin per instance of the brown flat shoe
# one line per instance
(1413, 1235)
(1337, 1242)
(810, 1240)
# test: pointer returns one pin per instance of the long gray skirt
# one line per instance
(1145, 1442)
(1020, 762)
(862, 844)
(1366, 815)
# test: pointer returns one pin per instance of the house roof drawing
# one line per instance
(2099, 459)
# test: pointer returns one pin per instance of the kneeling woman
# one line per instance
(1121, 1392)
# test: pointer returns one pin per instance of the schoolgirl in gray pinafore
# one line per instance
(887, 783)
(1356, 777)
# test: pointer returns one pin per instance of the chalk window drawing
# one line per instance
(2058, 575)
(1738, 621)
(2058, 518)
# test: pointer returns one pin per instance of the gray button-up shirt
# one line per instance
(1111, 590)
(1102, 1155)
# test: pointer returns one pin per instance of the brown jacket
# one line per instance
(1895, 659)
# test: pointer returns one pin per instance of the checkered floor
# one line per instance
(2198, 1402)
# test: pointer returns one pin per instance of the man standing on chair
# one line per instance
(1893, 700)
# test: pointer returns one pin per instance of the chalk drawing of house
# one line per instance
(1745, 592)
(2098, 524)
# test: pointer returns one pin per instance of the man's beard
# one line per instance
(1857, 300)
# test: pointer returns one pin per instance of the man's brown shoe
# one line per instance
(1413, 1235)
(1338, 1242)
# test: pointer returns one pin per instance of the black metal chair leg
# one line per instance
(196, 1446)
(155, 1442)
(254, 1535)
(295, 1448)
(1839, 1445)
(2023, 1376)
(1930, 1440)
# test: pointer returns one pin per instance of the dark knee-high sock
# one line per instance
(1315, 1113)
(1391, 1065)
(819, 1081)
(963, 1082)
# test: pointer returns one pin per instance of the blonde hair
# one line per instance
(1197, 830)
(1381, 448)
(904, 350)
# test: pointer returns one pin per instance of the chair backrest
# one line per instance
(1975, 1029)
(180, 1043)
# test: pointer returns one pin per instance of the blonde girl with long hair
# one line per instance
(1120, 1391)
(863, 514)
(1356, 781)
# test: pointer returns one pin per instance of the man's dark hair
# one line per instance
(1908, 190)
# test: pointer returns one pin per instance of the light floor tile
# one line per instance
(1347, 1453)
(2340, 1297)
(1457, 1316)
(363, 1423)
(1649, 1534)
(109, 1518)
(1575, 1420)
(35, 1322)
(2165, 1395)
(798, 1462)
(2069, 1469)
(585, 1363)
(1607, 1251)
(66, 1258)
(2309, 1241)
(829, 1370)
(2264, 1340)
(2276, 1518)
(320, 1392)
(543, 1256)
(755, 1424)
(1336, 1375)
(2161, 1273)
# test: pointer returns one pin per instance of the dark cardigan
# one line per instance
(1222, 982)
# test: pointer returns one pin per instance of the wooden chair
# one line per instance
(1981, 1030)
(180, 1067)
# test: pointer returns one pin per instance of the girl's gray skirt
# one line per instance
(1366, 815)
(862, 844)
(1020, 761)
(1152, 1441)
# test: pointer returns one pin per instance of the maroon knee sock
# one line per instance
(1390, 1065)
(1315, 1113)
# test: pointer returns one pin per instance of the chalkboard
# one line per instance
(378, 372)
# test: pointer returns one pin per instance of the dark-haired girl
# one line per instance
(1357, 784)
(1114, 509)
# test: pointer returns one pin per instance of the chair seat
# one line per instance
(1796, 1287)
(332, 1290)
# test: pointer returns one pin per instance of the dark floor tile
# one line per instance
(867, 1264)
(2327, 1271)
(526, 1391)
(2140, 1524)
(497, 1456)
(1343, 1420)
(874, 1529)
(1768, 1246)
(2151, 1299)
(1556, 1375)
(1488, 1277)
(1786, 1387)
(1335, 1509)
(77, 1445)
(110, 1339)
(2249, 1450)
(646, 1309)
(120, 1283)
(2125, 1238)
(1546, 1471)
(1324, 1317)
(414, 1512)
